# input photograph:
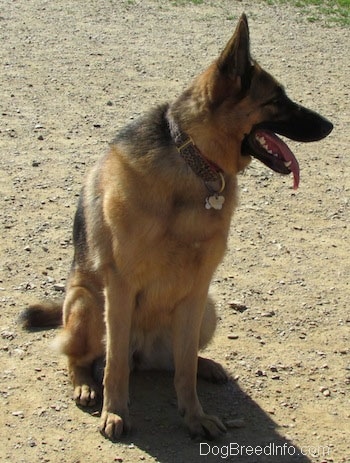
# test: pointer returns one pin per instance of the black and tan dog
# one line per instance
(151, 228)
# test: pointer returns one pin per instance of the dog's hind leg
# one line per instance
(82, 336)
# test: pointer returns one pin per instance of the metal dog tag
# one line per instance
(214, 202)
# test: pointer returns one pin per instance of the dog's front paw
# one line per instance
(113, 426)
(207, 426)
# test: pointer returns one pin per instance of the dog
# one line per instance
(151, 227)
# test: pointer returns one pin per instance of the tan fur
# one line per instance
(146, 247)
(154, 247)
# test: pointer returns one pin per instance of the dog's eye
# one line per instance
(273, 101)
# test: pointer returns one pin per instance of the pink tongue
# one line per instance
(277, 146)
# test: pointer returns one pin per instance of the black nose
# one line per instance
(326, 128)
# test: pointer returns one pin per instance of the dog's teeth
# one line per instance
(275, 155)
(288, 163)
(261, 140)
(270, 152)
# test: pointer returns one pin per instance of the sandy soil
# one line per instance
(72, 73)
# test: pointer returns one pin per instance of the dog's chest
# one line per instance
(174, 252)
(173, 269)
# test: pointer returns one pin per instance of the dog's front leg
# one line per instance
(186, 329)
(119, 308)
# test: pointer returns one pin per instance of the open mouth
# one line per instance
(266, 146)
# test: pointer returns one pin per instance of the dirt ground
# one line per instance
(72, 73)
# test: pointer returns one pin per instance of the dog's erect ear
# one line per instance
(235, 60)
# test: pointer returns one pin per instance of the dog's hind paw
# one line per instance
(211, 371)
(85, 396)
(207, 426)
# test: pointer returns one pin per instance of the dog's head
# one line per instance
(249, 106)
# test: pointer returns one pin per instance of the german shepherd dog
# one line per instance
(151, 228)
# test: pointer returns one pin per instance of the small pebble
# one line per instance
(326, 393)
(268, 314)
(59, 287)
(238, 307)
(8, 335)
(31, 442)
(237, 423)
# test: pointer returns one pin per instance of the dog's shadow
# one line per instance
(158, 430)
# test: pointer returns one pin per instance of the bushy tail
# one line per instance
(42, 315)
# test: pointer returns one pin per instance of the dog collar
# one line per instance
(209, 172)
(201, 166)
